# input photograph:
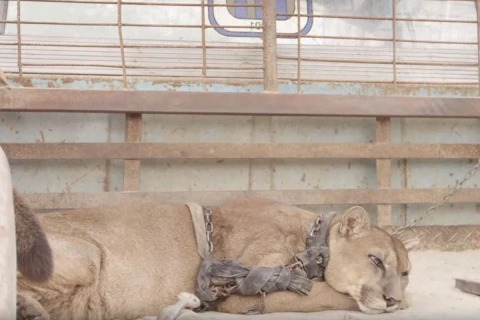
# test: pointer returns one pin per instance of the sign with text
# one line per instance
(243, 18)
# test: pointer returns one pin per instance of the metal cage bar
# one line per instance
(86, 56)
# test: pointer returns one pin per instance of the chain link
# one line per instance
(458, 186)
(316, 226)
(207, 212)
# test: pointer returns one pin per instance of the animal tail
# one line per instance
(34, 255)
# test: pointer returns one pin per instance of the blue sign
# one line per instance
(246, 14)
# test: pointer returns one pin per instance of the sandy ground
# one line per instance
(432, 288)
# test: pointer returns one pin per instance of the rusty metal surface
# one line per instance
(270, 75)
(384, 170)
(43, 151)
(210, 103)
(131, 168)
(304, 197)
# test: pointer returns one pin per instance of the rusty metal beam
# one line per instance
(131, 168)
(269, 21)
(45, 151)
(210, 103)
(304, 197)
(384, 172)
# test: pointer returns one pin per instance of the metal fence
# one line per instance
(384, 41)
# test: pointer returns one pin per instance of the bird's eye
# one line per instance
(376, 261)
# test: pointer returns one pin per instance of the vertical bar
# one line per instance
(19, 42)
(384, 176)
(394, 42)
(299, 49)
(384, 212)
(122, 45)
(204, 45)
(477, 7)
(3, 15)
(131, 170)
(133, 121)
(270, 73)
(270, 45)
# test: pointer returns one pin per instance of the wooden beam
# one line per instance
(305, 197)
(45, 151)
(221, 103)
(384, 172)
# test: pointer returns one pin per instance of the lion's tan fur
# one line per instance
(132, 261)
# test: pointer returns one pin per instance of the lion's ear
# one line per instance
(354, 221)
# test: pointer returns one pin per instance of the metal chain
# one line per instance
(207, 212)
(458, 186)
(316, 226)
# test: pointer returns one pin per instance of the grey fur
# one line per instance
(34, 255)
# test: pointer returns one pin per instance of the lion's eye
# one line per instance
(405, 274)
(376, 261)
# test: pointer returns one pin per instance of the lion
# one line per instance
(132, 261)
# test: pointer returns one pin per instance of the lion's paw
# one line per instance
(406, 302)
(30, 309)
(190, 300)
(185, 301)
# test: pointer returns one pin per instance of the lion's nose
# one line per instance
(390, 301)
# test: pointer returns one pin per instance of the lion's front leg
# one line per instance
(405, 304)
(72, 292)
(30, 309)
(322, 297)
(237, 304)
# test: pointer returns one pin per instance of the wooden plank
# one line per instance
(45, 151)
(131, 169)
(467, 286)
(221, 103)
(384, 172)
(306, 197)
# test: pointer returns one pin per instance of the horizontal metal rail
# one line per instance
(210, 103)
(50, 201)
(142, 151)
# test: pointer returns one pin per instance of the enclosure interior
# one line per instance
(396, 166)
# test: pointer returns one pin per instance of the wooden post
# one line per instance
(384, 176)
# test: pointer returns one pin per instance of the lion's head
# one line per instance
(367, 263)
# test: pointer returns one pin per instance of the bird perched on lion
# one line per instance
(128, 262)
